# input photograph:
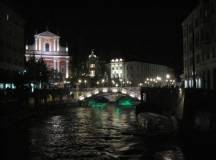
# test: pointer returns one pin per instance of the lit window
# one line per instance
(92, 65)
(1, 86)
(186, 84)
(8, 85)
(7, 17)
(92, 73)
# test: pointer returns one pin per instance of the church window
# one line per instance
(7, 17)
(92, 65)
(47, 47)
(92, 73)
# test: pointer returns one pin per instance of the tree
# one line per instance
(36, 72)
(55, 76)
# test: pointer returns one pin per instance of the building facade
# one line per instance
(47, 46)
(12, 46)
(117, 68)
(92, 64)
(199, 46)
(136, 72)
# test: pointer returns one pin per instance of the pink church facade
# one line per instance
(47, 46)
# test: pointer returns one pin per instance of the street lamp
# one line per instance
(97, 83)
(79, 81)
(102, 81)
(158, 78)
(167, 76)
(85, 81)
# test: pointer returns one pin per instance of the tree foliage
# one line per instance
(36, 71)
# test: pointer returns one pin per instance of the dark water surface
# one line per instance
(85, 133)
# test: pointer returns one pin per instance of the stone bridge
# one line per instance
(108, 92)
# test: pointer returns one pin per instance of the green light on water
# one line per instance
(126, 103)
(97, 105)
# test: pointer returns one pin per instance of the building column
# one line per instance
(54, 64)
(36, 44)
(54, 45)
(58, 65)
(67, 69)
(39, 44)
(57, 44)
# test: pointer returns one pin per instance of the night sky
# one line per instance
(148, 31)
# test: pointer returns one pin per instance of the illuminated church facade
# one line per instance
(47, 46)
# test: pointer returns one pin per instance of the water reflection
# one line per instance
(104, 131)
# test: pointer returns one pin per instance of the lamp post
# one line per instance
(78, 87)
(167, 79)
(97, 83)
(102, 81)
(85, 81)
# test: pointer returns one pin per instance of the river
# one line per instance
(97, 132)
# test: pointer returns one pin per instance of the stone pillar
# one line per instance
(54, 45)
(54, 64)
(57, 44)
(58, 65)
(67, 69)
(39, 44)
(36, 44)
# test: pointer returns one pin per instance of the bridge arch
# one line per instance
(131, 92)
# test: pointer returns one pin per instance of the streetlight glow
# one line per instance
(158, 78)
(167, 76)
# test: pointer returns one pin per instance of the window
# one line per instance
(47, 47)
(7, 17)
(92, 65)
(92, 73)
